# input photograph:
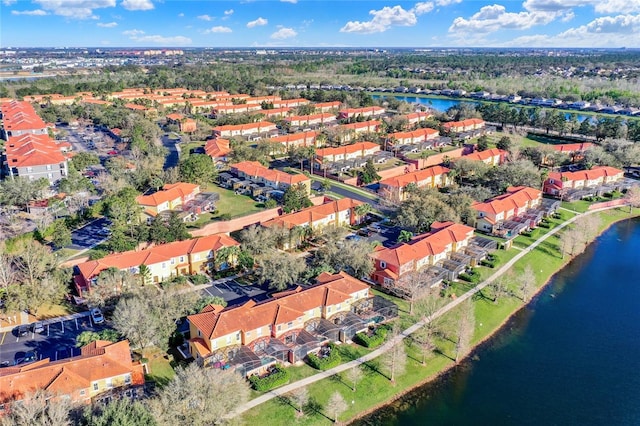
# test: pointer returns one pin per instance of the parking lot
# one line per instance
(234, 293)
(90, 235)
(56, 341)
(385, 235)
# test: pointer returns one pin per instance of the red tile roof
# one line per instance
(485, 155)
(594, 173)
(217, 148)
(331, 289)
(29, 150)
(98, 360)
(254, 169)
(517, 197)
(414, 177)
(572, 147)
(20, 115)
(348, 149)
(169, 192)
(313, 214)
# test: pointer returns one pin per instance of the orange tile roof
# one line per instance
(294, 137)
(464, 123)
(418, 134)
(515, 198)
(485, 155)
(217, 148)
(362, 125)
(96, 362)
(330, 289)
(418, 115)
(364, 110)
(415, 177)
(243, 127)
(323, 117)
(347, 149)
(255, 169)
(327, 105)
(33, 150)
(572, 147)
(594, 173)
(175, 116)
(20, 115)
(154, 255)
(313, 213)
(169, 192)
(432, 243)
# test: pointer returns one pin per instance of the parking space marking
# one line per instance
(3, 337)
(208, 292)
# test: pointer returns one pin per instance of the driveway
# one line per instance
(234, 293)
(57, 341)
(173, 157)
(89, 235)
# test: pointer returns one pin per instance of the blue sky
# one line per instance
(311, 23)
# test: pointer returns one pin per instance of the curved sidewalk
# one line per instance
(406, 333)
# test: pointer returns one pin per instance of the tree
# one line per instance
(466, 327)
(483, 143)
(61, 234)
(208, 300)
(570, 242)
(198, 168)
(299, 398)
(199, 396)
(121, 412)
(337, 405)
(422, 208)
(405, 236)
(354, 375)
(351, 256)
(281, 270)
(588, 227)
(499, 288)
(296, 197)
(504, 143)
(632, 197)
(37, 409)
(363, 209)
(177, 229)
(134, 320)
(395, 359)
(87, 337)
(526, 283)
(413, 286)
(368, 174)
(82, 160)
(257, 240)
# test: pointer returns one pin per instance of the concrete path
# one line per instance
(406, 333)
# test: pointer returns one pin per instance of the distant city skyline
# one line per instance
(309, 23)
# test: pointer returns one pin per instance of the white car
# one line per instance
(96, 316)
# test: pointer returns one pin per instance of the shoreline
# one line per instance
(478, 346)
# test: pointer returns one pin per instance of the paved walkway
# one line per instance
(406, 333)
(25, 320)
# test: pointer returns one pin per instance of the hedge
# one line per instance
(277, 378)
(198, 279)
(327, 362)
(489, 263)
(374, 340)
(471, 277)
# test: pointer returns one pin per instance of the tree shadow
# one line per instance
(313, 407)
(337, 378)
(438, 351)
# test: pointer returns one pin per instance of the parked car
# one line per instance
(37, 327)
(22, 330)
(96, 316)
(29, 356)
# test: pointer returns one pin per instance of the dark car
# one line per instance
(26, 357)
(22, 330)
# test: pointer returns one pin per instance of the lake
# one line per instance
(441, 105)
(571, 357)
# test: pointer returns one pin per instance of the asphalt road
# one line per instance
(234, 293)
(57, 341)
(172, 158)
(89, 235)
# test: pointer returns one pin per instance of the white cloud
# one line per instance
(107, 24)
(607, 31)
(600, 6)
(447, 2)
(568, 16)
(422, 8)
(257, 23)
(137, 4)
(36, 12)
(495, 17)
(205, 17)
(133, 33)
(180, 15)
(617, 6)
(218, 29)
(289, 1)
(383, 19)
(228, 12)
(283, 33)
(8, 2)
(75, 9)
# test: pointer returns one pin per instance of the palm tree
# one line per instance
(362, 209)
(226, 255)
(405, 236)
(145, 274)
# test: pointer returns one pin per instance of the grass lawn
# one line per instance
(231, 203)
(428, 152)
(160, 367)
(375, 388)
(395, 162)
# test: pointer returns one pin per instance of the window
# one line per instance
(109, 383)
(29, 169)
(50, 176)
(383, 264)
(329, 309)
(48, 166)
(214, 344)
(164, 265)
(259, 331)
(279, 327)
(196, 257)
(181, 259)
(199, 333)
(82, 391)
(228, 339)
(95, 386)
(173, 261)
(127, 379)
(238, 336)
(290, 324)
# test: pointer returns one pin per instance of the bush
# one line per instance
(199, 279)
(545, 225)
(374, 340)
(327, 362)
(278, 377)
(96, 254)
(471, 276)
(488, 263)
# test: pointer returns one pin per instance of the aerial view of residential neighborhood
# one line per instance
(315, 212)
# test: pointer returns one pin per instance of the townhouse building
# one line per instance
(19, 118)
(188, 257)
(417, 136)
(259, 100)
(577, 184)
(101, 367)
(276, 113)
(366, 112)
(348, 132)
(218, 149)
(255, 172)
(467, 125)
(493, 215)
(290, 103)
(331, 213)
(492, 157)
(323, 118)
(36, 156)
(284, 328)
(236, 109)
(327, 106)
(346, 152)
(395, 188)
(171, 197)
(417, 117)
(249, 129)
(423, 251)
(284, 143)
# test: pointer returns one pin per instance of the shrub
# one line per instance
(327, 362)
(199, 279)
(545, 225)
(278, 377)
(471, 276)
(374, 340)
(489, 263)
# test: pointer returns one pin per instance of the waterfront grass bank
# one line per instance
(375, 389)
